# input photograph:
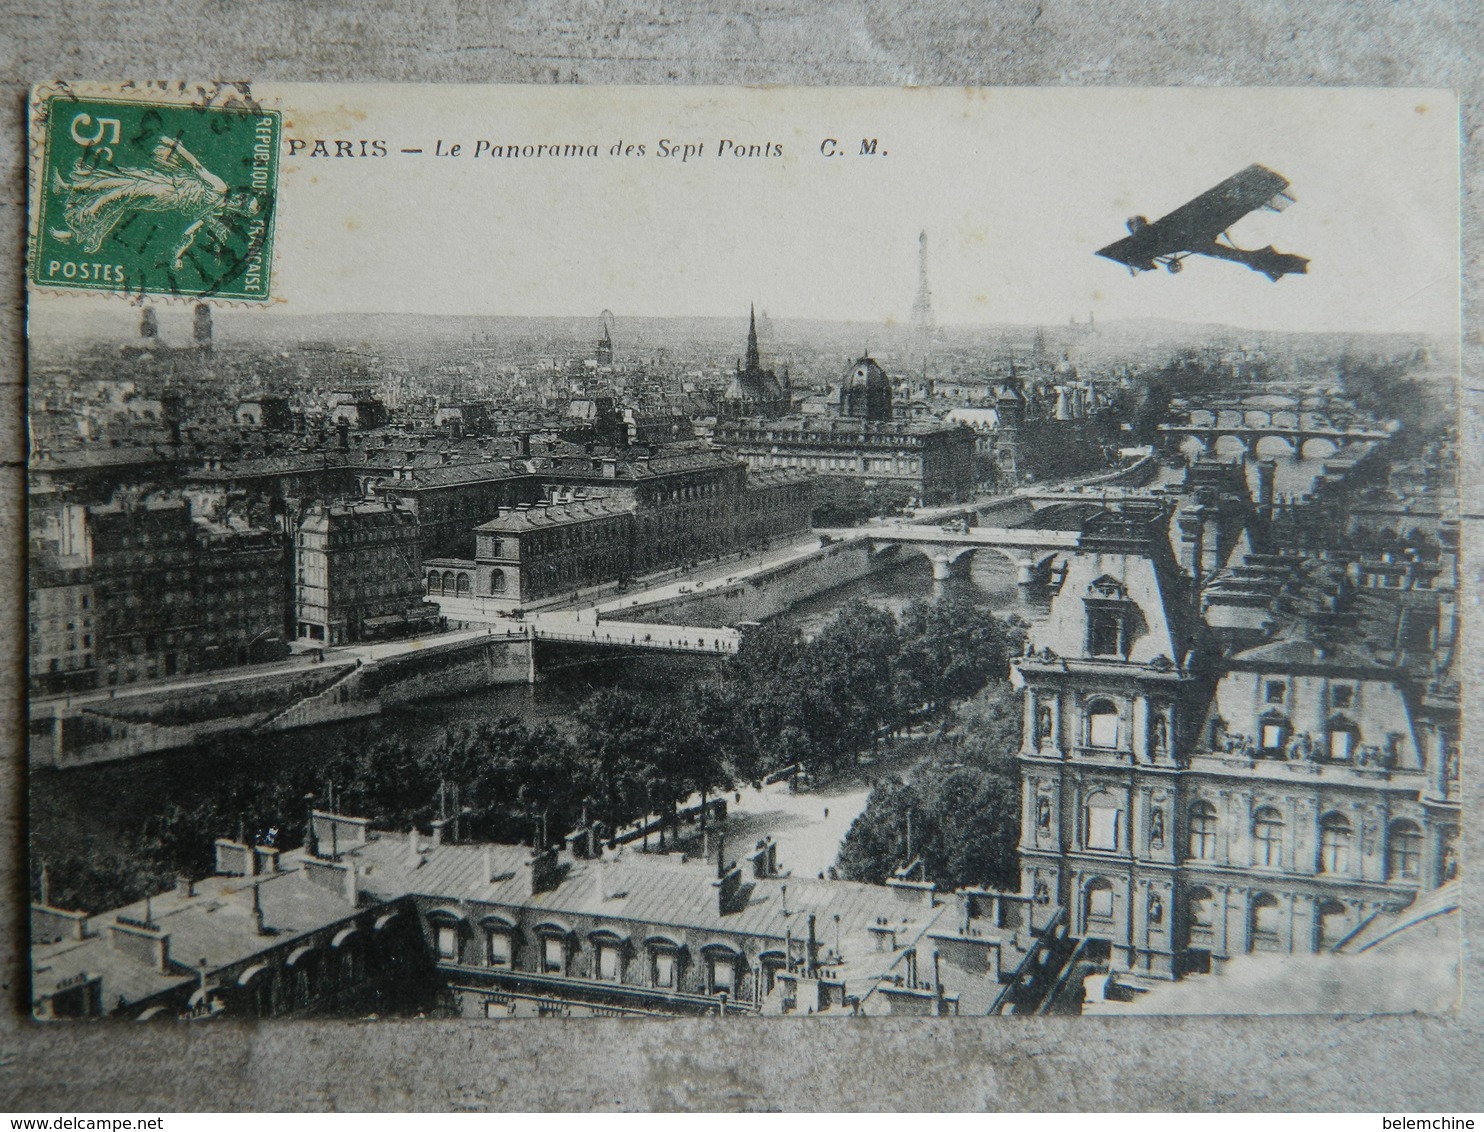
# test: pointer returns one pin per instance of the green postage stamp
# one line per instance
(154, 196)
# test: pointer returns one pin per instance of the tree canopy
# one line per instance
(782, 699)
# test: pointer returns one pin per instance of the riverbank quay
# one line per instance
(355, 681)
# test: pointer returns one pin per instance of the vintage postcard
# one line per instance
(509, 551)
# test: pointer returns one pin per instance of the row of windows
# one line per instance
(144, 538)
(662, 964)
(1341, 696)
(1103, 830)
(40, 643)
(1265, 920)
(54, 599)
(460, 584)
(579, 534)
(1264, 917)
(1403, 842)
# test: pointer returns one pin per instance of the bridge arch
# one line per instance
(954, 561)
(1318, 447)
(1228, 444)
(1274, 444)
(1257, 418)
(1229, 418)
(948, 561)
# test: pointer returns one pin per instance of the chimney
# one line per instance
(809, 956)
(414, 854)
(545, 870)
(342, 433)
(257, 910)
(489, 864)
(142, 941)
(730, 896)
(760, 859)
(937, 985)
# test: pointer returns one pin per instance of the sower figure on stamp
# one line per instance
(99, 197)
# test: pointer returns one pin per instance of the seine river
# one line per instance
(93, 805)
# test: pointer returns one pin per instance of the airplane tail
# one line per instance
(1275, 264)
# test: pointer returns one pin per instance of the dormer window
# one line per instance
(1110, 618)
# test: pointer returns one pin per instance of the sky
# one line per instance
(1016, 189)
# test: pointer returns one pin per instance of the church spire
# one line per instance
(754, 359)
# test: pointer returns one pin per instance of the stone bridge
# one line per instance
(1029, 549)
(1249, 427)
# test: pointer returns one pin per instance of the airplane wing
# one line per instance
(1199, 221)
(1137, 251)
(1216, 210)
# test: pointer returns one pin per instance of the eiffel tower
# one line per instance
(922, 311)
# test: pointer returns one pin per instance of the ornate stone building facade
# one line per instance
(1186, 800)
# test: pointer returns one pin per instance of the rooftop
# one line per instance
(215, 926)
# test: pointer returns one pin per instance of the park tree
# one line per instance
(964, 826)
(877, 842)
(949, 650)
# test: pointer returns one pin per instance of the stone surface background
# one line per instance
(1395, 1064)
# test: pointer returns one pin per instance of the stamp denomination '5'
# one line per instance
(155, 198)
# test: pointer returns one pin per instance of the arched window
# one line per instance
(448, 582)
(556, 951)
(1404, 851)
(435, 582)
(1202, 905)
(497, 581)
(1265, 923)
(665, 958)
(499, 946)
(721, 969)
(1334, 844)
(1102, 724)
(1331, 923)
(1267, 837)
(448, 933)
(609, 949)
(1202, 841)
(463, 583)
